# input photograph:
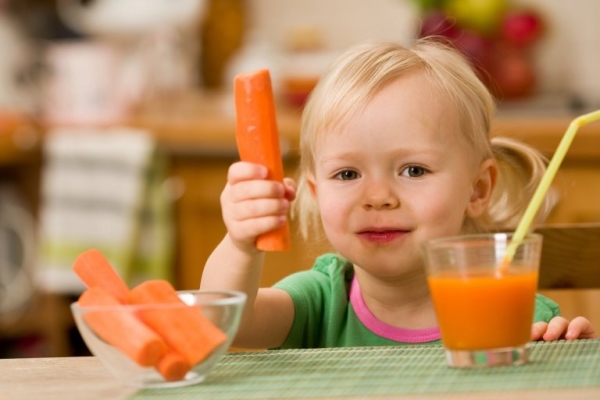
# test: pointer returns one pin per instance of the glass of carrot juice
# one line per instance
(484, 301)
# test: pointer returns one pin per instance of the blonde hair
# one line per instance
(361, 71)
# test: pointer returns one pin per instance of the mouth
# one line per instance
(382, 236)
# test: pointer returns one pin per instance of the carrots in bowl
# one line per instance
(172, 339)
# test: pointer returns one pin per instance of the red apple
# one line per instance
(511, 73)
(521, 28)
(474, 46)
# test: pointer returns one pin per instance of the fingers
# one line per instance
(249, 208)
(552, 330)
(245, 171)
(580, 328)
(249, 181)
(255, 189)
(561, 328)
(252, 205)
(538, 329)
(247, 219)
(557, 327)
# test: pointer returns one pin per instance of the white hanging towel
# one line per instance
(103, 188)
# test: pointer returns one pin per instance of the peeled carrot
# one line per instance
(122, 329)
(258, 140)
(185, 329)
(172, 366)
(94, 270)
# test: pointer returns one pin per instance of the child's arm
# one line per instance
(251, 205)
(561, 328)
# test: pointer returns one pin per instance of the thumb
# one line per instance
(538, 329)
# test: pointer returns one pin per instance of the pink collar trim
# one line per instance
(384, 330)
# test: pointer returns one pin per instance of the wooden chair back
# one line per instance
(570, 256)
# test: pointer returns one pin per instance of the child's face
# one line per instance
(397, 174)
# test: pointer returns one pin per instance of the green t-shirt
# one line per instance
(325, 316)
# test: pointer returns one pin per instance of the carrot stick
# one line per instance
(122, 329)
(94, 270)
(172, 366)
(185, 329)
(258, 140)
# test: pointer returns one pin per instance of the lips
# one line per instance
(382, 236)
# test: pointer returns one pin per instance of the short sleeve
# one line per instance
(545, 309)
(320, 302)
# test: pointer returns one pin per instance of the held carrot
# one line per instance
(94, 270)
(121, 329)
(258, 140)
(184, 328)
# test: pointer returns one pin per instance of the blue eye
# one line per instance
(346, 175)
(413, 171)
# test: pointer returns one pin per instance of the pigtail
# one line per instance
(521, 168)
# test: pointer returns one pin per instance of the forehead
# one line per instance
(411, 104)
(412, 97)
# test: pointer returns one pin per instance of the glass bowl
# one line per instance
(221, 312)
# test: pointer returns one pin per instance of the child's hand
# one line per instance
(561, 328)
(252, 205)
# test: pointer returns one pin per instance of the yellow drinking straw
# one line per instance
(544, 184)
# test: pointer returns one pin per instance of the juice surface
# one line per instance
(483, 311)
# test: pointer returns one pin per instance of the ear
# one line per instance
(483, 186)
(310, 183)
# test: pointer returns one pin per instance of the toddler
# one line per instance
(395, 150)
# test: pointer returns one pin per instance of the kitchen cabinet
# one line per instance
(24, 317)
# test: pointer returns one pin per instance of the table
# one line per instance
(559, 370)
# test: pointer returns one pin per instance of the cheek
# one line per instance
(443, 212)
(329, 207)
(334, 213)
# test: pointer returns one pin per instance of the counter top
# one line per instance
(205, 123)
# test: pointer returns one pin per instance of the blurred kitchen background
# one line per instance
(116, 124)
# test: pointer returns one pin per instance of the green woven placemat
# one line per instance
(384, 371)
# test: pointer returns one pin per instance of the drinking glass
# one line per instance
(484, 301)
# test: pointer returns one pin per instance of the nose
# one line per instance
(379, 195)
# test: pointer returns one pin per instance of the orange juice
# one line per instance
(478, 310)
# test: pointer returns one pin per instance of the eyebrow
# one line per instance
(399, 153)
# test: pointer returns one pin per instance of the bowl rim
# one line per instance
(233, 297)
